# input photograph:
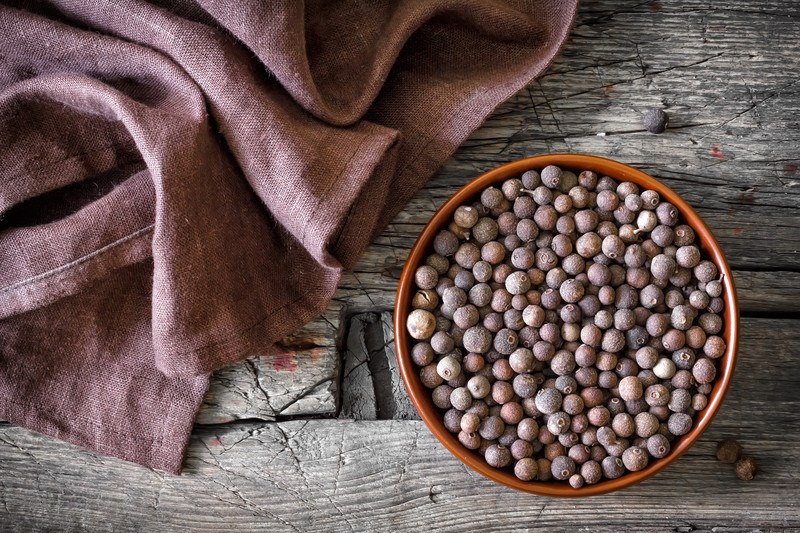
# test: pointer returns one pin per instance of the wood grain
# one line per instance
(386, 475)
(768, 292)
(346, 475)
(372, 388)
(727, 73)
(728, 78)
(302, 379)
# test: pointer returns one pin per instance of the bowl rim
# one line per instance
(420, 397)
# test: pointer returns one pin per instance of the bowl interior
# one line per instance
(420, 396)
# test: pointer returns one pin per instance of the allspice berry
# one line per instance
(426, 277)
(655, 120)
(679, 424)
(476, 339)
(662, 266)
(658, 445)
(591, 471)
(421, 324)
(574, 335)
(746, 468)
(461, 398)
(630, 388)
(646, 424)
(646, 221)
(704, 370)
(518, 283)
(548, 401)
(613, 467)
(425, 299)
(498, 456)
(551, 176)
(492, 197)
(562, 467)
(526, 469)
(429, 376)
(528, 429)
(729, 451)
(466, 216)
(634, 458)
(448, 368)
(479, 386)
(576, 481)
(445, 243)
(491, 427)
(471, 441)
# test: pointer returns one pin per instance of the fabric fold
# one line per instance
(182, 183)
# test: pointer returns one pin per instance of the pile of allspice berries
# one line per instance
(568, 326)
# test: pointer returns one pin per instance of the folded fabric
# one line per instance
(182, 182)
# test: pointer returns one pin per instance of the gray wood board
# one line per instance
(372, 388)
(302, 379)
(727, 75)
(343, 475)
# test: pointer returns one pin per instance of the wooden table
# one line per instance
(323, 438)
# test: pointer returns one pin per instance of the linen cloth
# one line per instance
(183, 182)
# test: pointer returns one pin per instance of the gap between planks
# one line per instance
(343, 475)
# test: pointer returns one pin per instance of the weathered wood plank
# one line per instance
(358, 388)
(770, 292)
(341, 475)
(372, 388)
(302, 380)
(727, 76)
(394, 395)
(344, 475)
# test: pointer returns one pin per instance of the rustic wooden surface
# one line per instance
(323, 436)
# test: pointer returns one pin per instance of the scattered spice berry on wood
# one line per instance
(746, 468)
(729, 451)
(655, 120)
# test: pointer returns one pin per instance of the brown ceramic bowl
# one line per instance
(421, 397)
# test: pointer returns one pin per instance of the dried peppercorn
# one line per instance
(729, 451)
(655, 120)
(589, 289)
(746, 468)
(421, 324)
(635, 458)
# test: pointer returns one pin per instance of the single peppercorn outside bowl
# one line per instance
(433, 415)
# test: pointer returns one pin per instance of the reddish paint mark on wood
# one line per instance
(789, 169)
(609, 87)
(737, 231)
(283, 362)
(316, 353)
(656, 6)
(715, 151)
(216, 442)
